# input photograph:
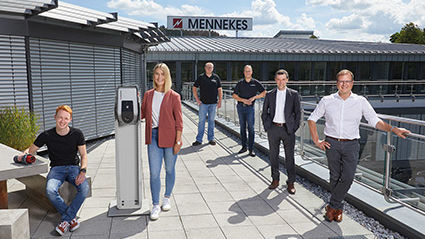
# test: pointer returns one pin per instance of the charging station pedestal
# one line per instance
(130, 195)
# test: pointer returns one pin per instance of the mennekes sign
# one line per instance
(209, 23)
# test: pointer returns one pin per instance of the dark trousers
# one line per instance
(246, 118)
(342, 163)
(275, 135)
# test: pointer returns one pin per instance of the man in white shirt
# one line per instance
(343, 112)
(281, 118)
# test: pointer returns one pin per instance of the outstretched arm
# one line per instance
(400, 132)
(31, 150)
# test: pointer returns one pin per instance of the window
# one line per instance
(304, 71)
(319, 71)
(187, 72)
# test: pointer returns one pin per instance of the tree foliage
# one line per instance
(314, 37)
(410, 33)
(18, 127)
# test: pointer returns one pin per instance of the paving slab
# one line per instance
(218, 194)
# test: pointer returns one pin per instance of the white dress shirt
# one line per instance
(279, 115)
(343, 116)
(156, 107)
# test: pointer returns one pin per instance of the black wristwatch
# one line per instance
(84, 170)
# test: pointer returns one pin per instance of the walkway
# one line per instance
(218, 194)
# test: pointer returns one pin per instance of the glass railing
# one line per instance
(380, 88)
(388, 164)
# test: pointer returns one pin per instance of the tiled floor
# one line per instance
(218, 194)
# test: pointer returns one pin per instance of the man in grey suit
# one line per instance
(281, 118)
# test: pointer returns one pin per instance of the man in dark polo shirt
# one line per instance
(63, 142)
(246, 91)
(209, 84)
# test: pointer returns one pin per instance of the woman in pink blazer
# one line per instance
(162, 110)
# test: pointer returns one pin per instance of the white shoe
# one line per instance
(155, 212)
(62, 228)
(166, 206)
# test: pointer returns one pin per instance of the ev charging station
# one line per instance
(130, 195)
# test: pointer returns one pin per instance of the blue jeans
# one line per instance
(246, 116)
(205, 109)
(155, 156)
(55, 179)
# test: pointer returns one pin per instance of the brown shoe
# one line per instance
(338, 215)
(274, 184)
(330, 213)
(290, 187)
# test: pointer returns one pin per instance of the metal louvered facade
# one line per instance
(13, 72)
(80, 75)
(53, 53)
(131, 71)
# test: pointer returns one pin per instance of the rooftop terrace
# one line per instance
(218, 194)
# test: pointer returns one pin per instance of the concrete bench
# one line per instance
(14, 224)
(36, 190)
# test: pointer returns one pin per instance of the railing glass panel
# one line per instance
(405, 180)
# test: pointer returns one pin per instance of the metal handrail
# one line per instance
(386, 189)
(358, 82)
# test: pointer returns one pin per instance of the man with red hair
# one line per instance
(63, 142)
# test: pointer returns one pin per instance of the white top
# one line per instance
(156, 107)
(279, 115)
(343, 116)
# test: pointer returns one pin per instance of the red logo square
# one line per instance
(177, 23)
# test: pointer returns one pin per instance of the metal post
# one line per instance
(302, 132)
(259, 120)
(225, 106)
(386, 189)
(234, 114)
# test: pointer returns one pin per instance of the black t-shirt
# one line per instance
(249, 89)
(208, 87)
(62, 149)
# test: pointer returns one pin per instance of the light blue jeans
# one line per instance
(55, 179)
(205, 109)
(155, 156)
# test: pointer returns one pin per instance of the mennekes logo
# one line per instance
(177, 23)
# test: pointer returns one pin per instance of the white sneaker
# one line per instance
(155, 212)
(62, 227)
(166, 206)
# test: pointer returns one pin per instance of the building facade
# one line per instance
(54, 53)
(309, 61)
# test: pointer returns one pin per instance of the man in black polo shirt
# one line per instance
(246, 92)
(63, 142)
(209, 84)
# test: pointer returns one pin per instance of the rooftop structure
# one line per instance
(294, 34)
(289, 49)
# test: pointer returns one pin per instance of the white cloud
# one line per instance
(153, 9)
(346, 23)
(374, 20)
(305, 22)
(342, 4)
(266, 17)
(268, 20)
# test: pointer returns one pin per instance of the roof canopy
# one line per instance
(62, 11)
(283, 45)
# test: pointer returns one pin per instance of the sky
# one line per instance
(358, 20)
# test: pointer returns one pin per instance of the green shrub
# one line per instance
(18, 127)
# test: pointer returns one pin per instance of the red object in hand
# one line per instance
(24, 159)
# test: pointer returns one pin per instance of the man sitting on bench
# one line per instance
(63, 142)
